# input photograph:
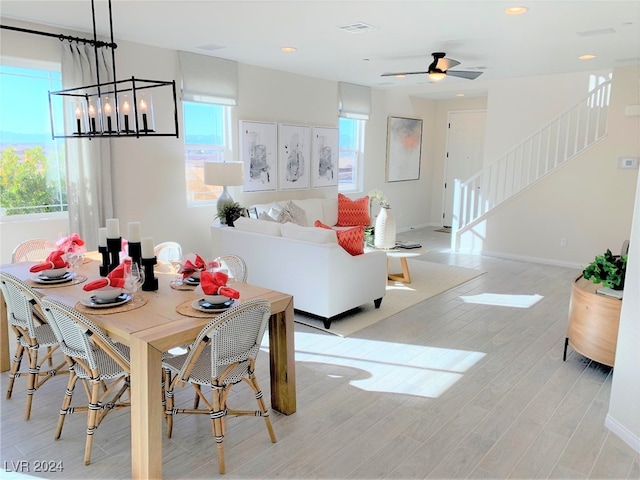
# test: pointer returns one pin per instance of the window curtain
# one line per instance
(354, 101)
(208, 79)
(89, 191)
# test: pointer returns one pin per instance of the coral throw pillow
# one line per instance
(353, 212)
(352, 239)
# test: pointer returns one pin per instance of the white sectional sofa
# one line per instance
(305, 261)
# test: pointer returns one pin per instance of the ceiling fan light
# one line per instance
(437, 76)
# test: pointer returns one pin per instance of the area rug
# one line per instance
(427, 280)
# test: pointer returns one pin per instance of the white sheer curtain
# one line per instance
(89, 189)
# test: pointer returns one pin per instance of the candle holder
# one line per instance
(114, 245)
(135, 252)
(104, 267)
(150, 281)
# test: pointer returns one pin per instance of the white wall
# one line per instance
(588, 201)
(624, 406)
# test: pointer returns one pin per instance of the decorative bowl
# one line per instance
(107, 293)
(216, 299)
(54, 272)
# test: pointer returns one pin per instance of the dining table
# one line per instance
(155, 322)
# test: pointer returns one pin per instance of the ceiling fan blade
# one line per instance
(402, 73)
(463, 74)
(446, 63)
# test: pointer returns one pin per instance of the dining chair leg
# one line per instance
(92, 419)
(68, 395)
(217, 425)
(15, 368)
(264, 412)
(168, 412)
(34, 369)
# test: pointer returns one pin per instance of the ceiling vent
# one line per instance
(593, 33)
(358, 27)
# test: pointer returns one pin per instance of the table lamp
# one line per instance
(224, 174)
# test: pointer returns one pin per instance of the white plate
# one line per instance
(191, 281)
(44, 280)
(95, 302)
(198, 305)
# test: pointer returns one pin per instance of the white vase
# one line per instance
(385, 229)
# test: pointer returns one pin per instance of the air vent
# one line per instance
(593, 33)
(357, 28)
(209, 47)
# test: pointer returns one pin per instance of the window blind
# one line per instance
(208, 79)
(354, 101)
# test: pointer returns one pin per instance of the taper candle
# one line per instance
(113, 228)
(134, 232)
(102, 237)
(147, 247)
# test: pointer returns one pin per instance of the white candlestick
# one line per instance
(102, 237)
(134, 232)
(147, 247)
(113, 228)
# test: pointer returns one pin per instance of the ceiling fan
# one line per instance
(439, 69)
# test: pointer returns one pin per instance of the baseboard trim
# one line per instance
(623, 432)
(524, 258)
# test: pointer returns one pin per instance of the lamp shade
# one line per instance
(224, 173)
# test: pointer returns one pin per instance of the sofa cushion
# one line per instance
(353, 212)
(308, 234)
(257, 226)
(266, 217)
(351, 239)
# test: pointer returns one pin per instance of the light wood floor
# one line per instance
(441, 390)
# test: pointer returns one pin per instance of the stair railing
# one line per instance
(571, 133)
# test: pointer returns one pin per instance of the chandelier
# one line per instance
(118, 108)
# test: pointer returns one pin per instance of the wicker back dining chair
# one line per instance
(34, 250)
(95, 359)
(236, 266)
(32, 333)
(222, 355)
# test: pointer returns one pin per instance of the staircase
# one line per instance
(571, 133)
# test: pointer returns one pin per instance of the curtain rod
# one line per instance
(59, 36)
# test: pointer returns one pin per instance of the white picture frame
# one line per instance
(259, 152)
(324, 157)
(294, 156)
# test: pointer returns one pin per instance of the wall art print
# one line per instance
(404, 146)
(324, 157)
(294, 156)
(258, 151)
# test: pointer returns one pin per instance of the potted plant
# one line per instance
(607, 269)
(229, 213)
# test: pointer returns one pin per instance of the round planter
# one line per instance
(593, 322)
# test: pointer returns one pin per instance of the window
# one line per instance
(207, 138)
(351, 154)
(33, 168)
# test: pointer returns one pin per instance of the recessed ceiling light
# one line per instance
(459, 94)
(587, 56)
(288, 49)
(515, 10)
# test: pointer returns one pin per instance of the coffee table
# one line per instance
(401, 253)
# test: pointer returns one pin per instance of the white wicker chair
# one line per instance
(94, 358)
(236, 266)
(32, 250)
(222, 355)
(32, 334)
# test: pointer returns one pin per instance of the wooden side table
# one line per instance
(402, 253)
(593, 323)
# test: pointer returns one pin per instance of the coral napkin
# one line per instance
(54, 260)
(189, 267)
(215, 284)
(114, 279)
(72, 243)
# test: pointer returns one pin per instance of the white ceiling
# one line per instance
(546, 40)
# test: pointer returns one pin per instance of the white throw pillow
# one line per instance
(308, 234)
(298, 215)
(257, 226)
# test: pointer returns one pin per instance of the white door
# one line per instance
(464, 157)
